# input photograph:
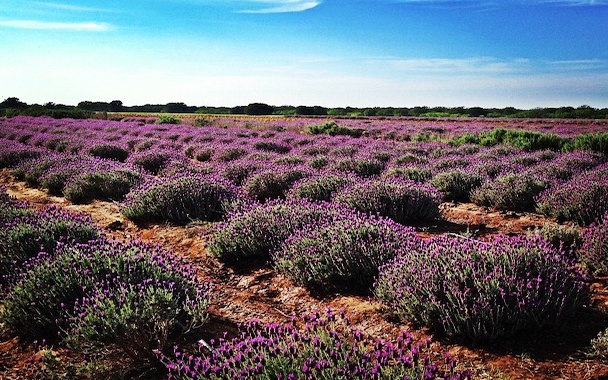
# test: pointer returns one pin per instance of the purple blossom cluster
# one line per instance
(12, 153)
(594, 251)
(401, 200)
(25, 232)
(326, 348)
(582, 199)
(181, 198)
(62, 278)
(482, 291)
(136, 296)
(343, 253)
(267, 156)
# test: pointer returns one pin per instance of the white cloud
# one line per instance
(61, 26)
(68, 7)
(281, 6)
(489, 3)
(487, 65)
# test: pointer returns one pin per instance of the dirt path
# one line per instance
(268, 296)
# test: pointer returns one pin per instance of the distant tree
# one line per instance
(316, 110)
(259, 109)
(177, 108)
(238, 110)
(115, 106)
(12, 103)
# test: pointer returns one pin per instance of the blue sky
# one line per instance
(522, 53)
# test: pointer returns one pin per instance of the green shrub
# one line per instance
(413, 173)
(557, 235)
(167, 119)
(333, 129)
(363, 167)
(103, 185)
(181, 199)
(109, 151)
(273, 184)
(319, 188)
(509, 192)
(456, 185)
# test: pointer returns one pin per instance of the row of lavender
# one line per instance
(62, 279)
(92, 159)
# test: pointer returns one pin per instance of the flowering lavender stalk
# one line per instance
(326, 348)
(180, 199)
(482, 290)
(401, 200)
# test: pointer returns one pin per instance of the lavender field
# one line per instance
(221, 247)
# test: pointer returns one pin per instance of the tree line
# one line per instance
(12, 106)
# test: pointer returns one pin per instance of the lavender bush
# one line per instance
(344, 253)
(456, 185)
(26, 233)
(594, 251)
(273, 183)
(135, 296)
(327, 348)
(401, 200)
(180, 199)
(363, 167)
(109, 151)
(255, 232)
(104, 185)
(482, 291)
(509, 192)
(320, 187)
(583, 199)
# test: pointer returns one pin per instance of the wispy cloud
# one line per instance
(496, 4)
(279, 6)
(68, 7)
(61, 26)
(489, 65)
(574, 3)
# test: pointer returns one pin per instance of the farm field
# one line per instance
(290, 247)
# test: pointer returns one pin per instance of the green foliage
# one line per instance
(167, 119)
(456, 185)
(110, 151)
(509, 192)
(413, 173)
(363, 167)
(333, 129)
(103, 185)
(559, 235)
(597, 142)
(272, 184)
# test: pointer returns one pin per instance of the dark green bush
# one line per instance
(456, 185)
(109, 151)
(103, 185)
(333, 129)
(510, 192)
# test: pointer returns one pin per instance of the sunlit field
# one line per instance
(227, 247)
